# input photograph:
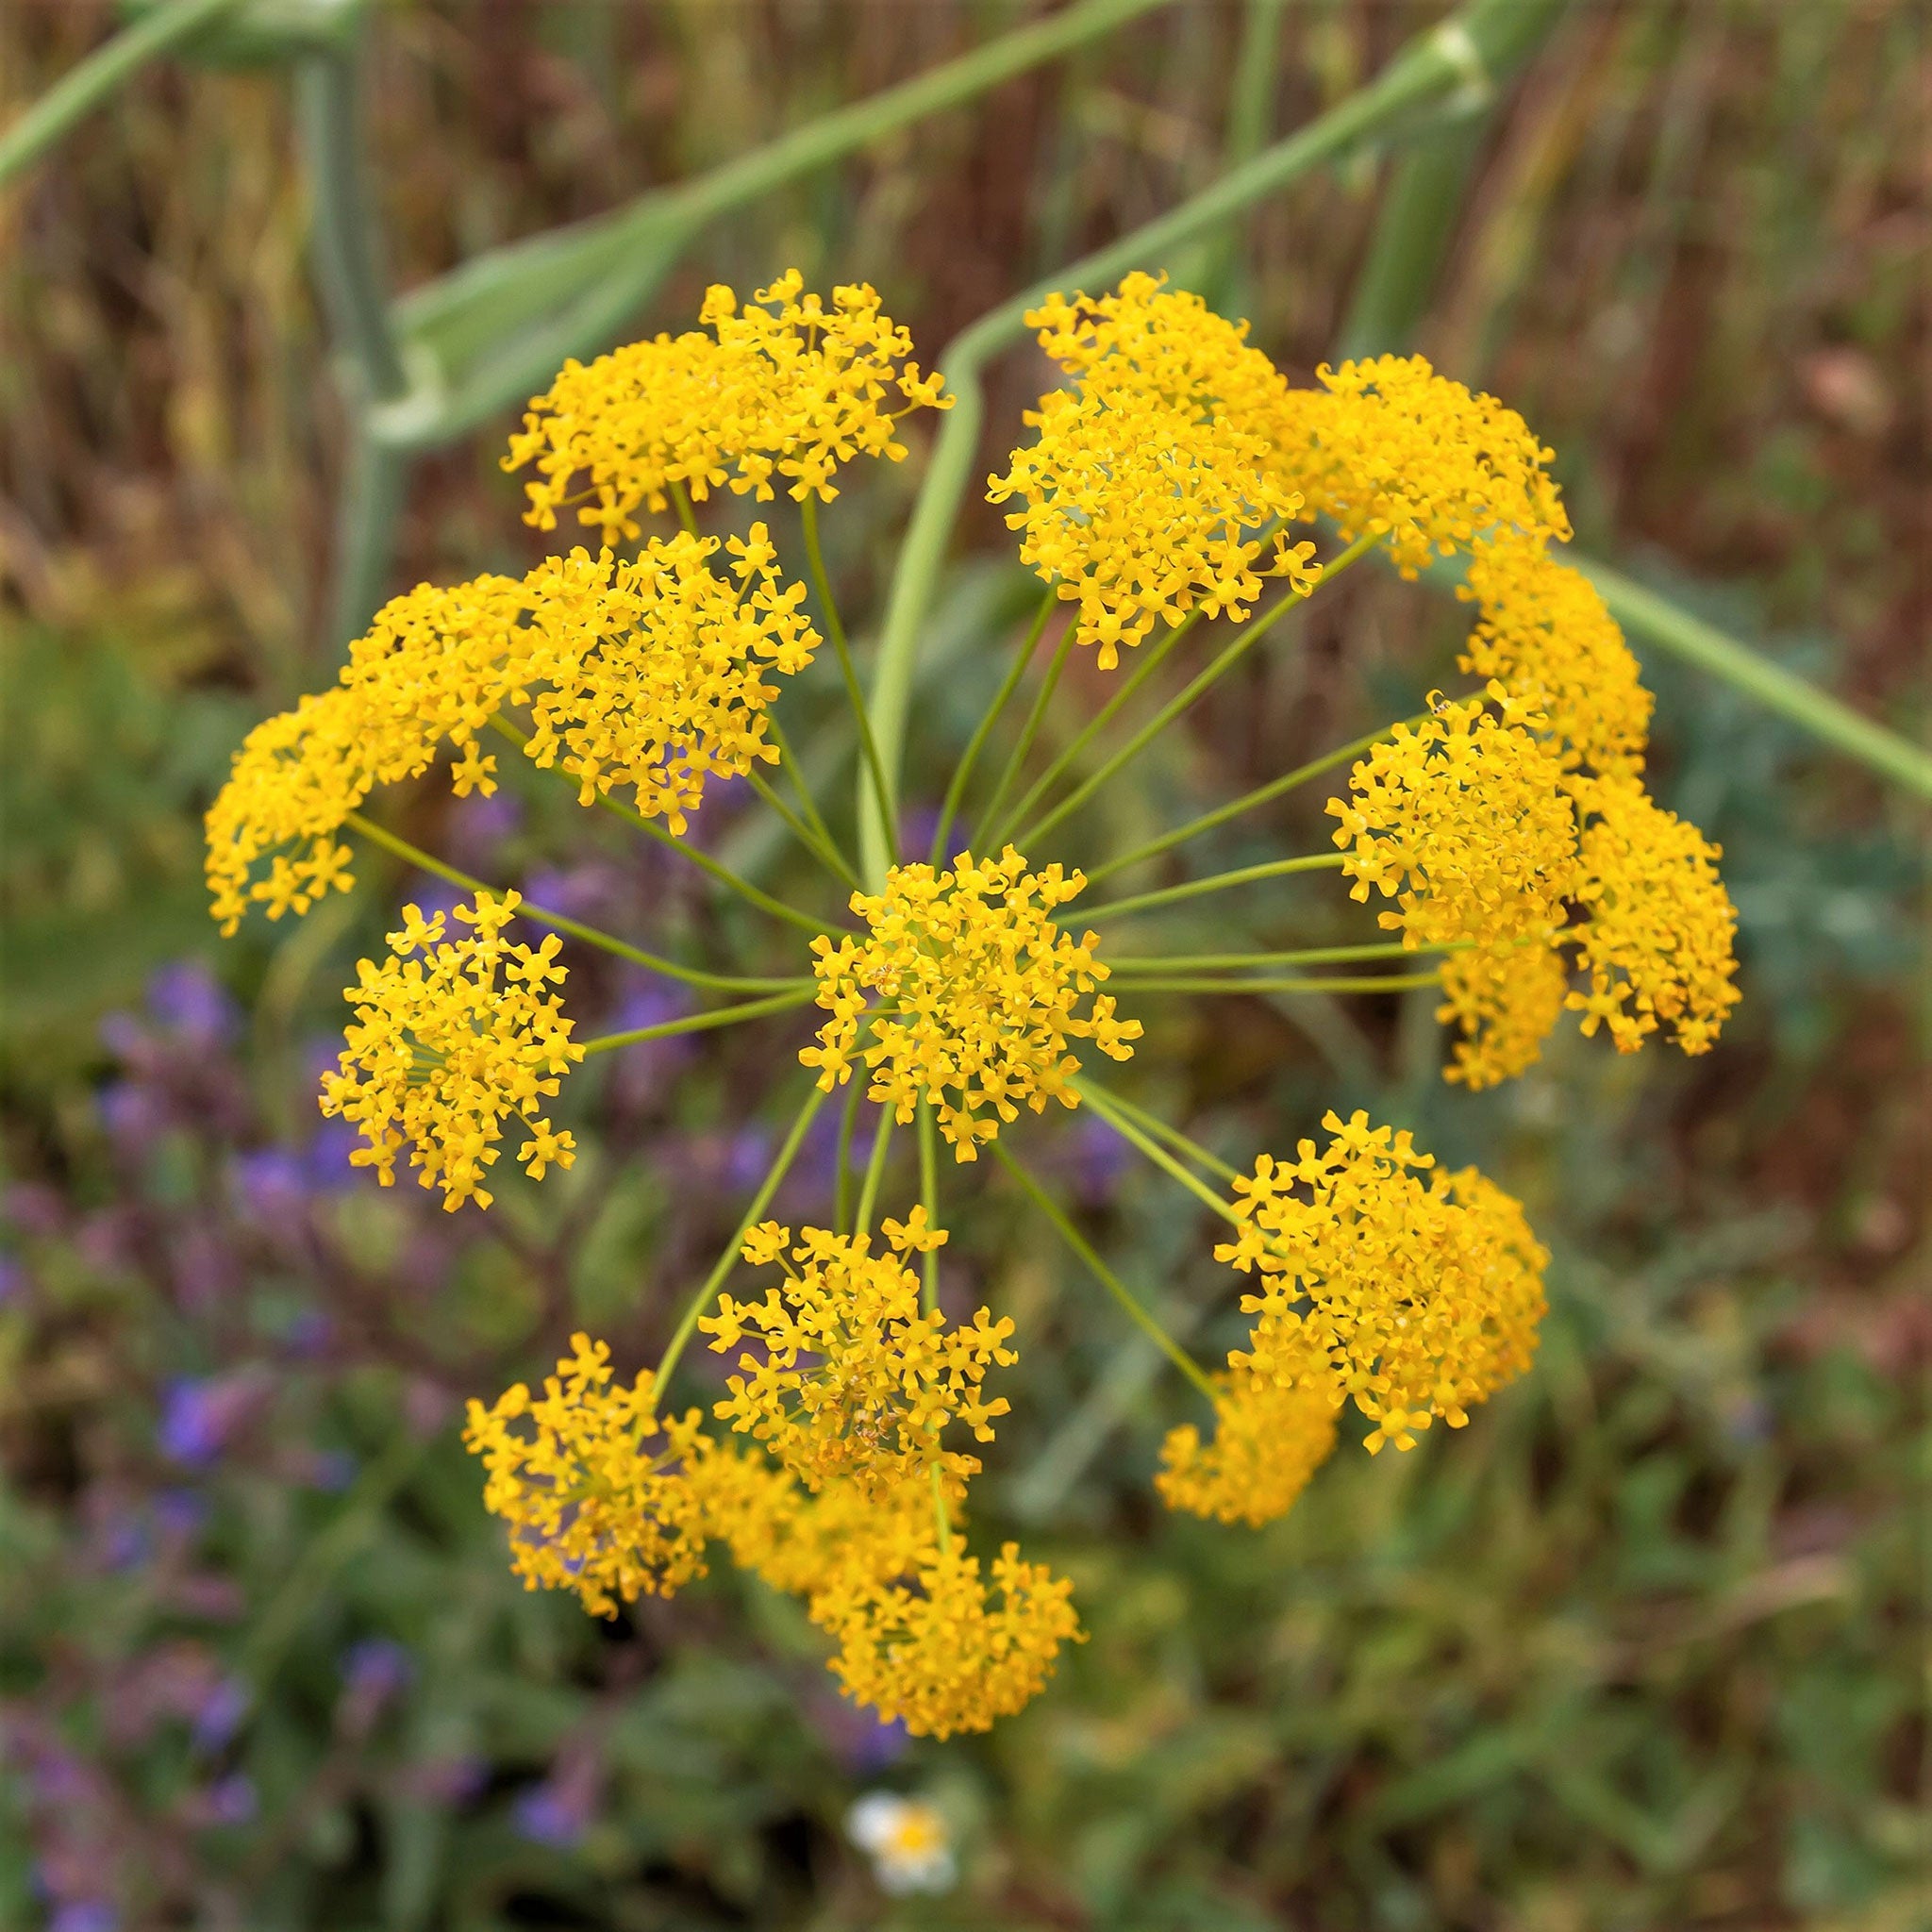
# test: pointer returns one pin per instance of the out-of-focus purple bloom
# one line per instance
(271, 1184)
(14, 1281)
(434, 895)
(477, 825)
(330, 1169)
(378, 1667)
(187, 999)
(124, 1543)
(916, 824)
(747, 1158)
(1100, 1160)
(308, 1335)
(577, 892)
(84, 1915)
(814, 1175)
(230, 1801)
(651, 1003)
(641, 1072)
(558, 1811)
(862, 1744)
(180, 1514)
(130, 1112)
(199, 1415)
(222, 1708)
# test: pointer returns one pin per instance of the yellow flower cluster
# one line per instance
(1148, 473)
(1463, 820)
(1388, 446)
(1657, 944)
(606, 1500)
(1417, 1300)
(599, 1494)
(1505, 1000)
(1270, 1437)
(446, 1047)
(977, 992)
(783, 388)
(849, 1377)
(656, 678)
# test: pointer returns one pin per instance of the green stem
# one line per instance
(1244, 640)
(1400, 982)
(835, 628)
(842, 1210)
(1151, 658)
(1219, 882)
(1016, 757)
(1102, 1104)
(803, 832)
(1152, 1124)
(681, 496)
(1710, 650)
(90, 82)
(962, 771)
(701, 1022)
(703, 861)
(1307, 956)
(1261, 794)
(875, 1172)
(1106, 1276)
(1468, 52)
(604, 942)
(794, 773)
(929, 1197)
(687, 1323)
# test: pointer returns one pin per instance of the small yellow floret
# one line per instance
(783, 388)
(971, 993)
(1148, 476)
(1392, 448)
(1505, 1000)
(1416, 1299)
(597, 1489)
(849, 1378)
(445, 1048)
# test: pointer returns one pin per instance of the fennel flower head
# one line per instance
(972, 992)
(447, 1046)
(1149, 476)
(783, 387)
(850, 1378)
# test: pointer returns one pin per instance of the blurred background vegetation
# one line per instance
(1643, 1647)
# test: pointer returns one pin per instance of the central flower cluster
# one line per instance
(971, 992)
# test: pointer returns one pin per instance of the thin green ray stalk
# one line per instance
(1248, 801)
(841, 1207)
(834, 628)
(90, 82)
(1397, 982)
(803, 832)
(680, 498)
(794, 773)
(930, 1198)
(874, 1172)
(1150, 659)
(604, 942)
(700, 1022)
(1469, 51)
(962, 771)
(687, 1323)
(1152, 1124)
(1219, 882)
(1102, 1104)
(1306, 956)
(1016, 757)
(703, 861)
(1244, 640)
(1084, 1249)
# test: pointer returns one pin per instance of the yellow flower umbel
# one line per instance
(1269, 1439)
(850, 1378)
(1422, 1298)
(1505, 1000)
(940, 1647)
(1390, 447)
(597, 1491)
(1657, 942)
(1148, 476)
(1545, 633)
(446, 1047)
(656, 668)
(972, 992)
(656, 678)
(784, 388)
(1463, 820)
